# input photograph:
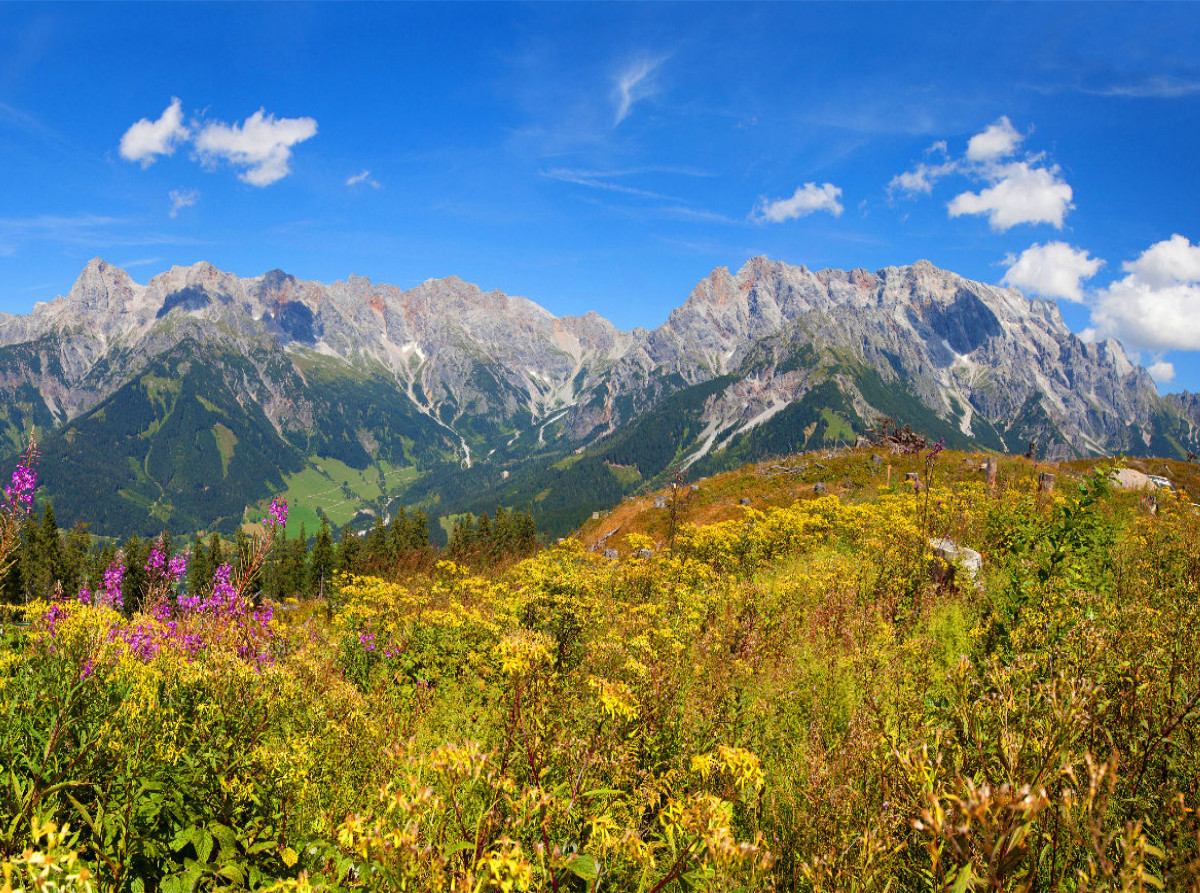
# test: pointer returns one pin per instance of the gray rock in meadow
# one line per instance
(950, 558)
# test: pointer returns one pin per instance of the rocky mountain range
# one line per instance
(179, 402)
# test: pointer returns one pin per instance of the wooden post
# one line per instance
(889, 479)
(993, 469)
(1045, 482)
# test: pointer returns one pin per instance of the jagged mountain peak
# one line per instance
(102, 286)
(446, 377)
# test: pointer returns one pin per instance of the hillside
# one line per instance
(797, 694)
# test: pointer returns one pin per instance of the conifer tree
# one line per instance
(49, 561)
(76, 558)
(418, 531)
(320, 571)
(347, 550)
(200, 570)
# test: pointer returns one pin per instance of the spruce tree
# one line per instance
(320, 571)
(418, 531)
(347, 550)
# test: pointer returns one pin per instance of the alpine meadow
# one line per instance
(724, 447)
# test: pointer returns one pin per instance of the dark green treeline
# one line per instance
(50, 563)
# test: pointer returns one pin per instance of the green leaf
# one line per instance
(204, 847)
(962, 883)
(584, 866)
(182, 839)
(458, 847)
(289, 856)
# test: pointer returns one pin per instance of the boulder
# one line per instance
(1128, 479)
(950, 559)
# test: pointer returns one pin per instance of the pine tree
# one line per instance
(398, 536)
(50, 562)
(320, 571)
(76, 557)
(418, 531)
(347, 550)
(200, 570)
(216, 554)
(134, 585)
(375, 548)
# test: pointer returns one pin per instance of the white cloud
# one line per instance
(1152, 88)
(632, 85)
(1053, 270)
(262, 145)
(1022, 194)
(182, 198)
(364, 177)
(998, 141)
(600, 180)
(807, 199)
(1156, 306)
(1017, 191)
(1167, 263)
(920, 179)
(147, 139)
(1162, 372)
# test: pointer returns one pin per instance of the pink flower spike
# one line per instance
(277, 514)
(177, 567)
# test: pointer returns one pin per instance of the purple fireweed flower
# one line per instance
(19, 494)
(85, 670)
(177, 567)
(55, 613)
(277, 514)
(111, 594)
(85, 596)
(367, 640)
(156, 561)
(937, 448)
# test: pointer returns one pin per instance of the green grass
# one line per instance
(226, 441)
(837, 428)
(339, 491)
(628, 475)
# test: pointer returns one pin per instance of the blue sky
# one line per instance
(608, 156)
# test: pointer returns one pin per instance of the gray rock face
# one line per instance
(496, 370)
(980, 357)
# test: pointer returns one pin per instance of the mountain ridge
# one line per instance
(446, 379)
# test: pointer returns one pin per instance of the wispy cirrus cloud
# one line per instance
(604, 180)
(182, 198)
(632, 85)
(362, 178)
(89, 231)
(140, 262)
(1157, 87)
